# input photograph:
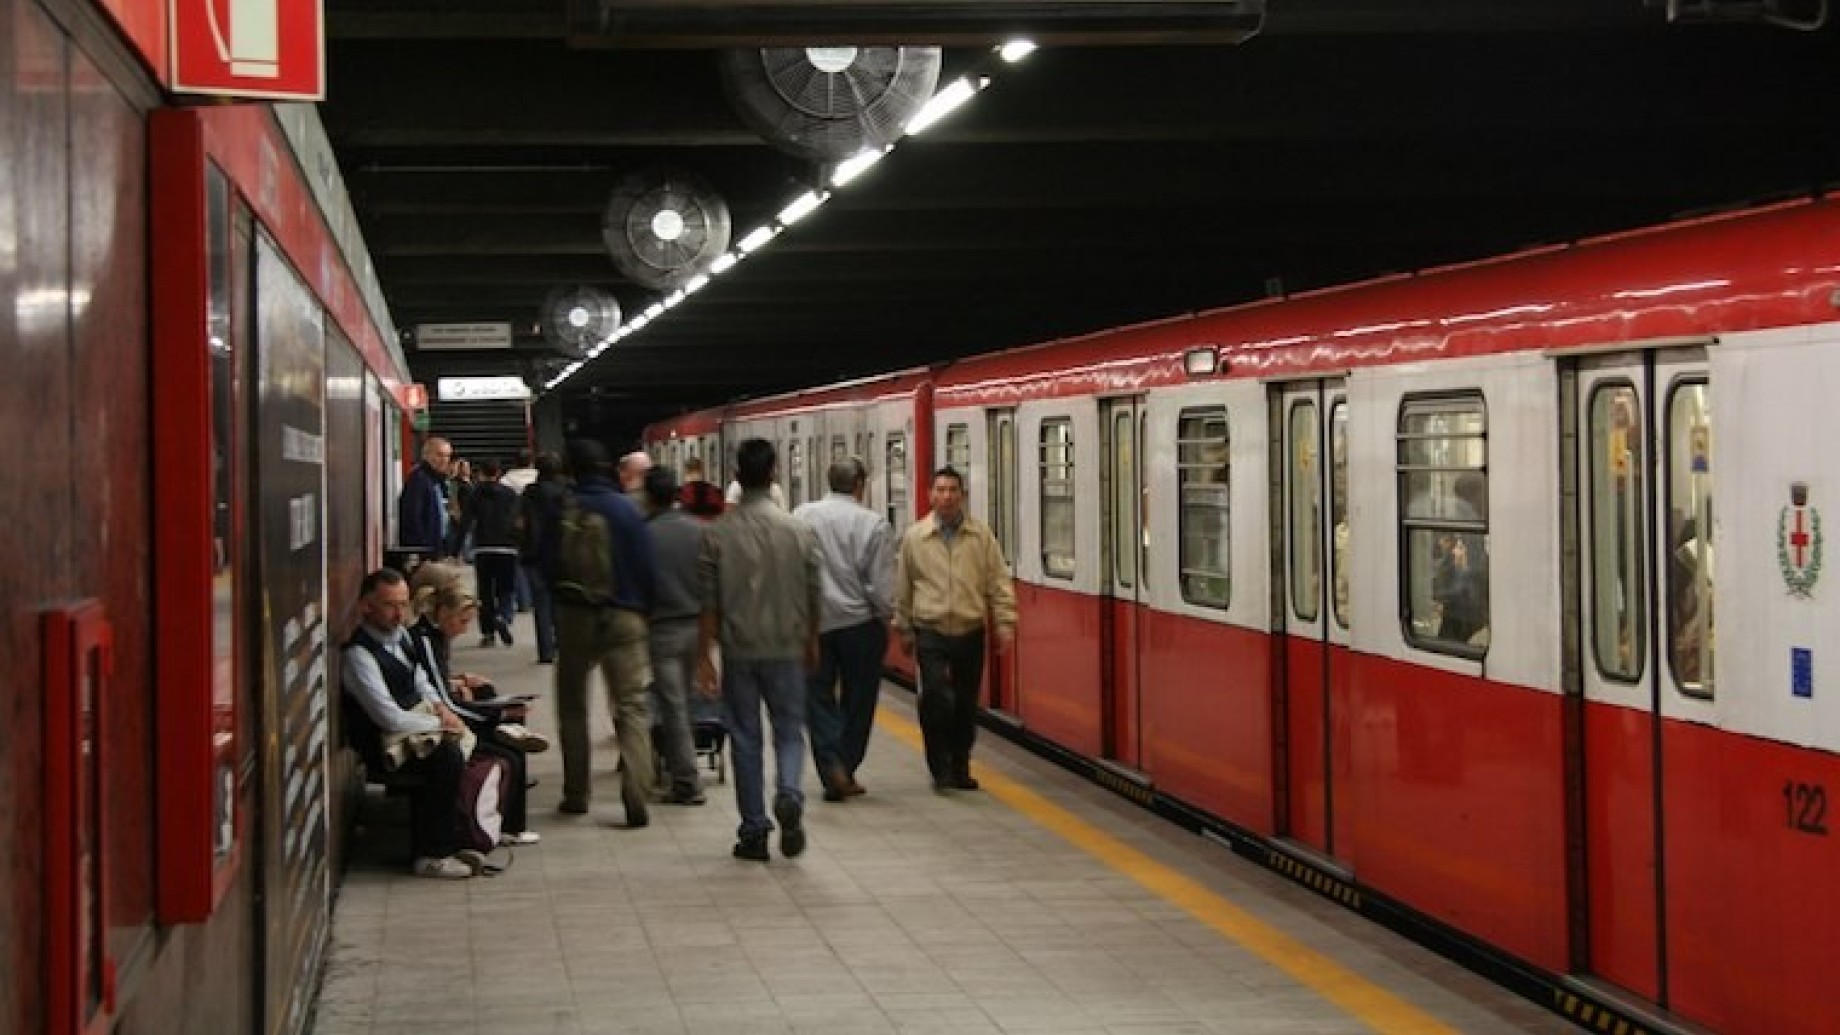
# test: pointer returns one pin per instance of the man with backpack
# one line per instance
(599, 560)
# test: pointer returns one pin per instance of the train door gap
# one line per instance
(1121, 583)
(1311, 857)
(1641, 490)
(1309, 422)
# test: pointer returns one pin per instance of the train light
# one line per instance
(1202, 361)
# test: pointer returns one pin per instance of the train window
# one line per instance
(840, 449)
(1124, 500)
(1202, 467)
(1003, 482)
(1057, 527)
(1619, 597)
(896, 472)
(1338, 505)
(1444, 517)
(1306, 512)
(958, 449)
(795, 472)
(1690, 528)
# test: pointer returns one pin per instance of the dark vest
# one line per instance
(360, 731)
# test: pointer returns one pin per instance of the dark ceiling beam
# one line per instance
(348, 20)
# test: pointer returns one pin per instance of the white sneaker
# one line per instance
(527, 837)
(522, 738)
(441, 869)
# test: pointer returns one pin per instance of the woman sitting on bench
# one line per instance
(446, 612)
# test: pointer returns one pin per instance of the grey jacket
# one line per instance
(759, 567)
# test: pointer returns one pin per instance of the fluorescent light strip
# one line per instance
(855, 165)
(697, 283)
(724, 262)
(943, 103)
(801, 206)
(752, 242)
(1016, 50)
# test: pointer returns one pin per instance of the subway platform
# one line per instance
(1039, 904)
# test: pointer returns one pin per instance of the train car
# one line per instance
(1413, 582)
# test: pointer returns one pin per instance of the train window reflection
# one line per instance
(1306, 512)
(795, 473)
(1442, 458)
(1690, 530)
(1202, 467)
(1338, 505)
(896, 472)
(1619, 599)
(1057, 527)
(958, 450)
(1003, 482)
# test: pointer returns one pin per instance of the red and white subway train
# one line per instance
(1409, 587)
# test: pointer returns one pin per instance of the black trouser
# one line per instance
(497, 590)
(951, 670)
(433, 815)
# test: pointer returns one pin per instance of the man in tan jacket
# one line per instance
(951, 584)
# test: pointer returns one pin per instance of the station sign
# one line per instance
(271, 49)
(462, 335)
(481, 389)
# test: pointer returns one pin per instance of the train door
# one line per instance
(1121, 581)
(1000, 501)
(1641, 599)
(1309, 515)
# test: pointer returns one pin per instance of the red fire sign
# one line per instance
(249, 48)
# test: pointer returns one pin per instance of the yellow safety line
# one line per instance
(1370, 1003)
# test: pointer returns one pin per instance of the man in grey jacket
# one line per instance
(758, 573)
(677, 538)
(858, 580)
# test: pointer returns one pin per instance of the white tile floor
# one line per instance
(910, 913)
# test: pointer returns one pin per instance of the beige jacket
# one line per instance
(953, 587)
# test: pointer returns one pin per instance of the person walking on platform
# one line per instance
(421, 509)
(951, 585)
(399, 723)
(491, 520)
(676, 539)
(541, 507)
(758, 576)
(602, 627)
(858, 583)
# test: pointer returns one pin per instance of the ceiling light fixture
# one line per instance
(724, 262)
(753, 241)
(944, 103)
(696, 283)
(855, 165)
(802, 206)
(1016, 50)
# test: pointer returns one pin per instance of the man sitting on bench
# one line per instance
(401, 727)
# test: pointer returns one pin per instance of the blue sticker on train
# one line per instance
(1801, 672)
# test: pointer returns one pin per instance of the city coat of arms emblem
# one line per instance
(1798, 543)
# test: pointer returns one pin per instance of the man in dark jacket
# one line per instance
(541, 509)
(491, 519)
(421, 511)
(607, 634)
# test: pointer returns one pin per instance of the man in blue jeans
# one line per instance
(758, 575)
(858, 581)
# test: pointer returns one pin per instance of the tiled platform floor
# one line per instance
(910, 913)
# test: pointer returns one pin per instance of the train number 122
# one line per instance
(1805, 806)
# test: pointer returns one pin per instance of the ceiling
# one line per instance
(1086, 187)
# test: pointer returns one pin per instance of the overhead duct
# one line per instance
(761, 23)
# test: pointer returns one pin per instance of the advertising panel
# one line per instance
(290, 494)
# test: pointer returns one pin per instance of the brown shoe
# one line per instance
(855, 788)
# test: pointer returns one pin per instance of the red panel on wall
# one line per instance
(143, 24)
(80, 972)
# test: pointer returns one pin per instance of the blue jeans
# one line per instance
(841, 722)
(781, 685)
(543, 609)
